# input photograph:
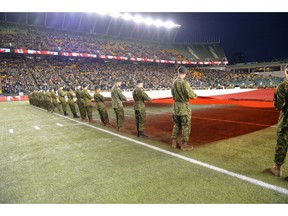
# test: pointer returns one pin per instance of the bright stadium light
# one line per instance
(115, 14)
(158, 23)
(127, 16)
(102, 13)
(148, 21)
(138, 19)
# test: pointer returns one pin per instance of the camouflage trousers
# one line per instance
(82, 109)
(55, 104)
(72, 107)
(184, 123)
(63, 103)
(281, 147)
(88, 111)
(140, 117)
(119, 112)
(103, 115)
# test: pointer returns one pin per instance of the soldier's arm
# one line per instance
(121, 96)
(279, 97)
(146, 97)
(189, 91)
(88, 95)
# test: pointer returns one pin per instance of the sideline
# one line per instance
(211, 167)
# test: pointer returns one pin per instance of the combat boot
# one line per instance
(275, 170)
(75, 116)
(65, 113)
(92, 121)
(174, 143)
(142, 135)
(186, 147)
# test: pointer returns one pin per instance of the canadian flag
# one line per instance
(4, 50)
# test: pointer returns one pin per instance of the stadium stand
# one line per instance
(23, 73)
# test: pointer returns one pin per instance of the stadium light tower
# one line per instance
(139, 20)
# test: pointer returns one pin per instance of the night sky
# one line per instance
(261, 36)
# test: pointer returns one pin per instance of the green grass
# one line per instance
(79, 164)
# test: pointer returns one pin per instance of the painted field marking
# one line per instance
(211, 167)
(36, 127)
(11, 131)
(231, 121)
(60, 125)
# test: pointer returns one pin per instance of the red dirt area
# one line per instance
(209, 124)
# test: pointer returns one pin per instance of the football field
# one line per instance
(49, 158)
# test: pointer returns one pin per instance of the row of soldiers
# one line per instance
(51, 99)
(47, 99)
(181, 93)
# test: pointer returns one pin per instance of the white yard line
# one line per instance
(36, 127)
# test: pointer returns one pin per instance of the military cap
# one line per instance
(139, 81)
(97, 87)
(182, 69)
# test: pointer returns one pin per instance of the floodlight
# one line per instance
(158, 23)
(102, 13)
(127, 16)
(115, 14)
(138, 19)
(169, 24)
(148, 21)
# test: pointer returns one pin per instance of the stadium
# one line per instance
(50, 158)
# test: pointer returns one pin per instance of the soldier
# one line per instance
(54, 100)
(140, 97)
(70, 95)
(48, 100)
(281, 103)
(117, 98)
(87, 103)
(181, 92)
(100, 106)
(62, 99)
(80, 102)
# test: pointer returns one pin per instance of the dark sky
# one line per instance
(261, 36)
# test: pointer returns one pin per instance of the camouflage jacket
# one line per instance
(181, 92)
(99, 99)
(140, 96)
(117, 97)
(61, 93)
(281, 103)
(87, 98)
(70, 96)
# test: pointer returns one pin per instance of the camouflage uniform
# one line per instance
(87, 103)
(54, 101)
(281, 103)
(181, 92)
(71, 103)
(61, 95)
(100, 106)
(48, 101)
(117, 98)
(80, 103)
(140, 97)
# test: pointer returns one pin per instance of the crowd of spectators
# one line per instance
(25, 74)
(27, 37)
